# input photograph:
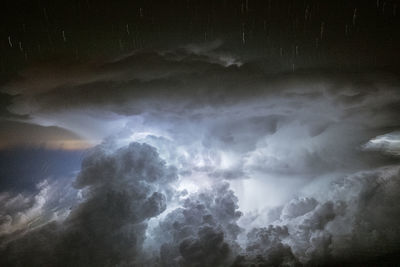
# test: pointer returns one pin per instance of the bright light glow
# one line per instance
(194, 183)
(387, 143)
(189, 185)
(137, 136)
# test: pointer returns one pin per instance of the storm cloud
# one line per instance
(208, 159)
(122, 191)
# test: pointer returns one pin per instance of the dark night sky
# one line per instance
(199, 133)
(331, 34)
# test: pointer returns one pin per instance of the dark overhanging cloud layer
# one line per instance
(208, 159)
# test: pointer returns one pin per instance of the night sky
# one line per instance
(327, 34)
(200, 133)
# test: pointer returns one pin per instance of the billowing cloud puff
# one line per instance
(122, 190)
(202, 232)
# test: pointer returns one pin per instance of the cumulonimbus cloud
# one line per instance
(232, 165)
